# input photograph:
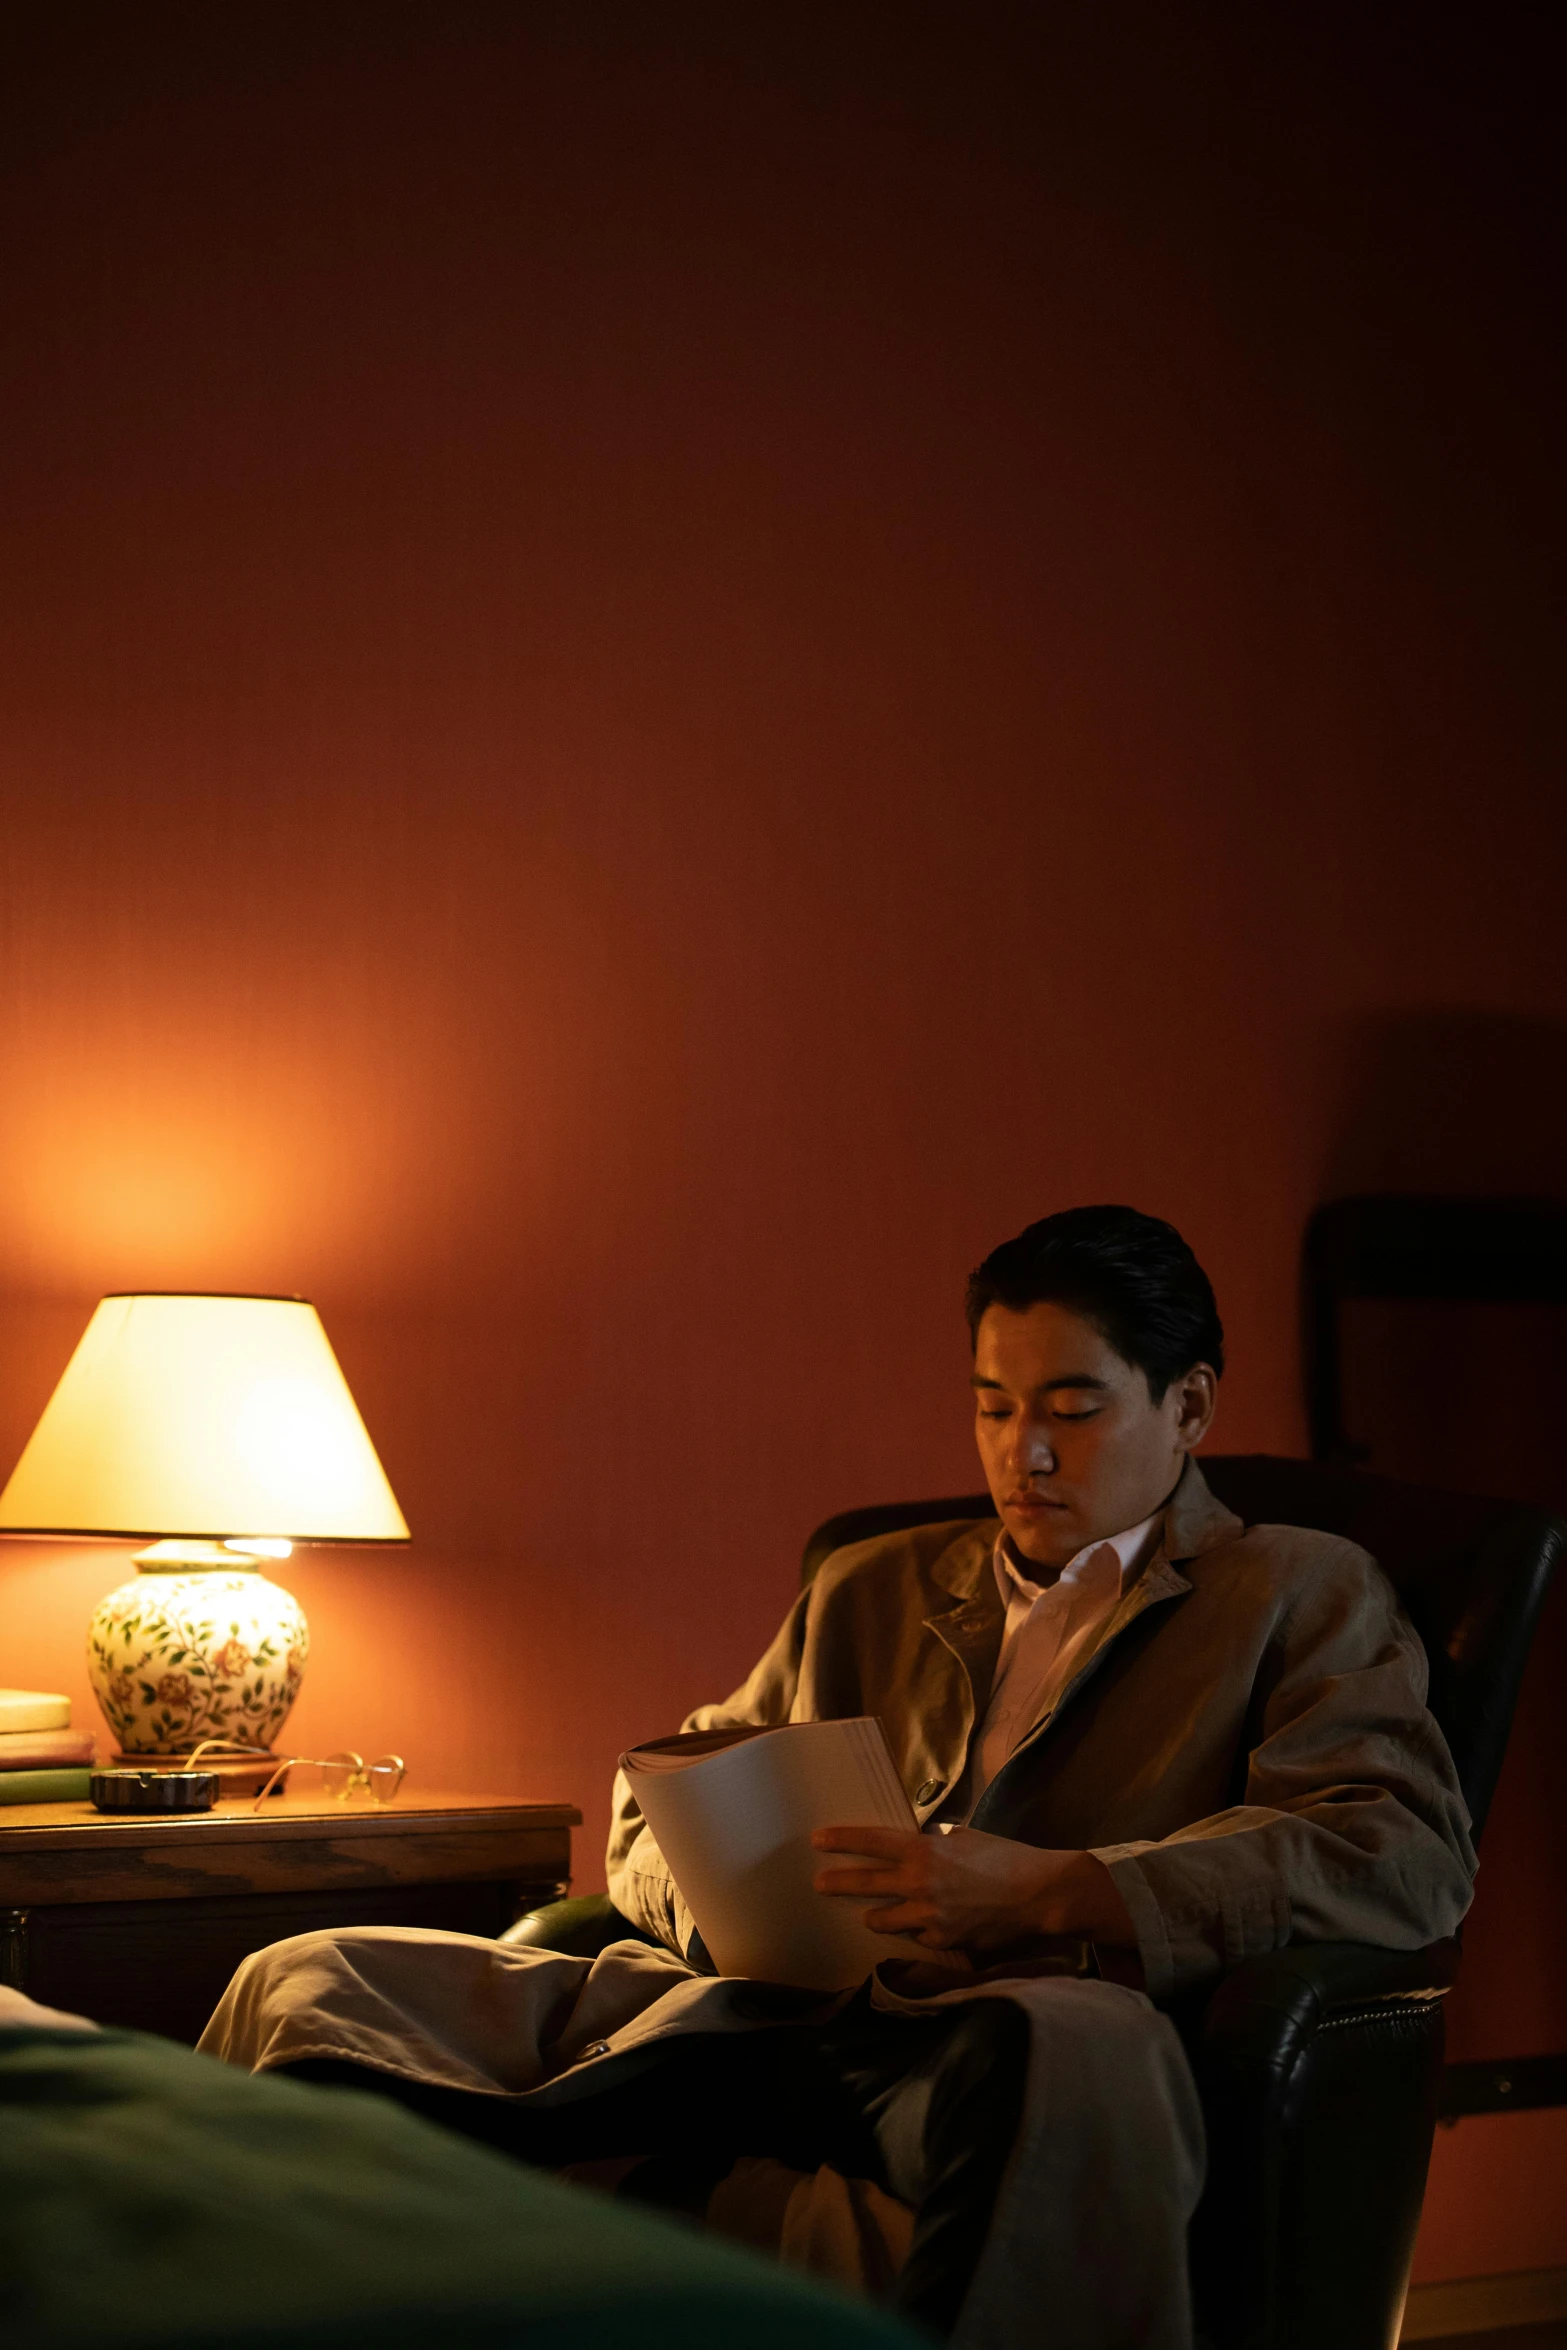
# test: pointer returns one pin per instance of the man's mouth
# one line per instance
(1033, 1501)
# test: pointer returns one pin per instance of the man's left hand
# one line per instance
(972, 1891)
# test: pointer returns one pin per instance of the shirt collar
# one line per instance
(1131, 1550)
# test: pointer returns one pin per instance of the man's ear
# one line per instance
(1197, 1399)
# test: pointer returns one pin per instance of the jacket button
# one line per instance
(929, 1792)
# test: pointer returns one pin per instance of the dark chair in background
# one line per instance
(1436, 1351)
(1319, 2064)
(1416, 1247)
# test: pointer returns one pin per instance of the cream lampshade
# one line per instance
(221, 1428)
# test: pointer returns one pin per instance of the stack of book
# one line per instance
(42, 1759)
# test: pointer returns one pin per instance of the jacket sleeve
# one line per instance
(640, 1884)
(1353, 1826)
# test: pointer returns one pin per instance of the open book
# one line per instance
(733, 1812)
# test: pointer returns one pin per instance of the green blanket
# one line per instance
(150, 2196)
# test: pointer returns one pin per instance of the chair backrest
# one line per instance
(1473, 1574)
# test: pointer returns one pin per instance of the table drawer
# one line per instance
(161, 1966)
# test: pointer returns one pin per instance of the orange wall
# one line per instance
(659, 671)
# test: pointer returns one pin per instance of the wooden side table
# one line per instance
(142, 1921)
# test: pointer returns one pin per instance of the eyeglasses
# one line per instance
(343, 1775)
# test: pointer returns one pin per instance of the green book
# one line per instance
(44, 1786)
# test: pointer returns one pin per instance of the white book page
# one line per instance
(734, 1822)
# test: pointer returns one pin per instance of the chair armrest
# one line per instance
(580, 1928)
(1263, 2014)
(1318, 2068)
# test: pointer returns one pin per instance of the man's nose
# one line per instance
(1033, 1454)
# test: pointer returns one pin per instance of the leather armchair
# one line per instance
(1318, 2065)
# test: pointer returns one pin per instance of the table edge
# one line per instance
(454, 1815)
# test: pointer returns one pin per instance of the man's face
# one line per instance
(1074, 1446)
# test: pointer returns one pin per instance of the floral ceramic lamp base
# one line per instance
(180, 1656)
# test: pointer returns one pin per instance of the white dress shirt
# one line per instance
(1051, 1629)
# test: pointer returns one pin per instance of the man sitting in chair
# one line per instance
(1143, 1743)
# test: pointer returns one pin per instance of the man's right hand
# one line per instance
(971, 1891)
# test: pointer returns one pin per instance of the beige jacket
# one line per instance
(1247, 1749)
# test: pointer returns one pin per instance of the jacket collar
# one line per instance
(1195, 1521)
(971, 1628)
(963, 1568)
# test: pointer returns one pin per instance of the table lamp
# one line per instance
(223, 1429)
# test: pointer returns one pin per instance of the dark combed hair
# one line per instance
(1131, 1275)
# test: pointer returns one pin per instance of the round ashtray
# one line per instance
(153, 1790)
